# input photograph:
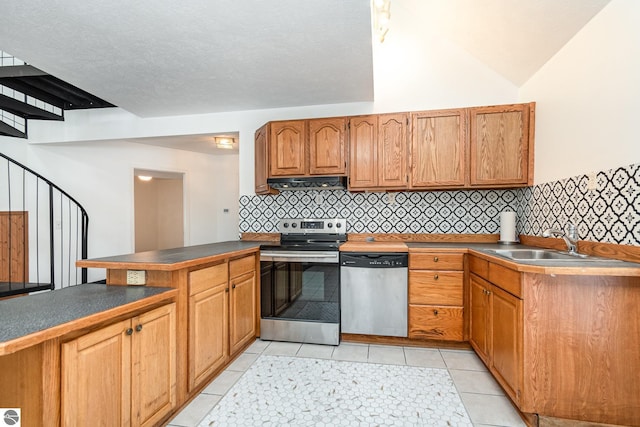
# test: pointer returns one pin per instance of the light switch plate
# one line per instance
(136, 277)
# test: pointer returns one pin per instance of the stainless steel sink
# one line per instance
(546, 255)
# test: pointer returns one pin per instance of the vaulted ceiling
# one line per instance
(161, 57)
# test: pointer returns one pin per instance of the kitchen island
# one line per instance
(217, 303)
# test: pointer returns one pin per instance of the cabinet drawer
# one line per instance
(435, 287)
(479, 266)
(507, 279)
(435, 261)
(240, 266)
(435, 322)
(206, 278)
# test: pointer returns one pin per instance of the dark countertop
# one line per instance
(24, 316)
(173, 259)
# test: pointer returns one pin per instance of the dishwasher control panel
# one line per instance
(374, 259)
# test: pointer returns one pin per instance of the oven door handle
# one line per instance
(283, 256)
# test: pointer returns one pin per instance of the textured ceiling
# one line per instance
(162, 57)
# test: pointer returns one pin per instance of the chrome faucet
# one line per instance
(570, 237)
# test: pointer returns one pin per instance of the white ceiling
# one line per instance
(160, 57)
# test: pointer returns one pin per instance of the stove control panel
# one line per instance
(313, 225)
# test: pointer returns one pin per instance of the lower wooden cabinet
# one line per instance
(122, 374)
(436, 296)
(243, 299)
(222, 315)
(208, 322)
(496, 331)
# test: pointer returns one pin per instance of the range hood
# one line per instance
(308, 183)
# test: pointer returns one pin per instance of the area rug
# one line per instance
(288, 391)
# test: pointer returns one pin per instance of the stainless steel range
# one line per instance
(300, 282)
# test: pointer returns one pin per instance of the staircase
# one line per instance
(27, 93)
(43, 232)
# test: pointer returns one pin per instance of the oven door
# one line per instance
(300, 296)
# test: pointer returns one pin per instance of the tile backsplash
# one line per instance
(610, 213)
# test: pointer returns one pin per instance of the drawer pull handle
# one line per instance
(138, 328)
(435, 312)
(435, 276)
(435, 259)
(129, 331)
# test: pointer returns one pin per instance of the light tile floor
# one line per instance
(483, 398)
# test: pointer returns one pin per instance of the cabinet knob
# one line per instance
(435, 259)
(138, 328)
(435, 312)
(234, 286)
(129, 331)
(226, 289)
(435, 276)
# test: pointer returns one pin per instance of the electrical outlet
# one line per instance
(592, 184)
(136, 277)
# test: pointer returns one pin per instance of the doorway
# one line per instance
(158, 210)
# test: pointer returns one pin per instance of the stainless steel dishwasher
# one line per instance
(373, 293)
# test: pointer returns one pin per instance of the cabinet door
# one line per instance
(438, 149)
(242, 314)
(327, 147)
(96, 378)
(363, 153)
(479, 318)
(261, 154)
(208, 332)
(153, 359)
(506, 313)
(287, 148)
(500, 143)
(392, 151)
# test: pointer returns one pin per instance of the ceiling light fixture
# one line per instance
(144, 178)
(224, 142)
(381, 17)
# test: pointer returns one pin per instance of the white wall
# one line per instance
(587, 98)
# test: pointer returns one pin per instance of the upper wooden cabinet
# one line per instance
(287, 142)
(439, 149)
(378, 152)
(307, 147)
(478, 147)
(261, 153)
(327, 154)
(501, 145)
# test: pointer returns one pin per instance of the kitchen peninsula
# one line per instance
(129, 355)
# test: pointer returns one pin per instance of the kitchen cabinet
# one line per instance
(378, 152)
(306, 147)
(222, 315)
(501, 145)
(439, 149)
(496, 331)
(327, 146)
(261, 152)
(208, 322)
(242, 302)
(287, 142)
(436, 296)
(121, 374)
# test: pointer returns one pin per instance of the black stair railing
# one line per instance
(43, 232)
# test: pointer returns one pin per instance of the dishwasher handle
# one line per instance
(374, 259)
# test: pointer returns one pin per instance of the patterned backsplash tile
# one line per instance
(474, 211)
(610, 213)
